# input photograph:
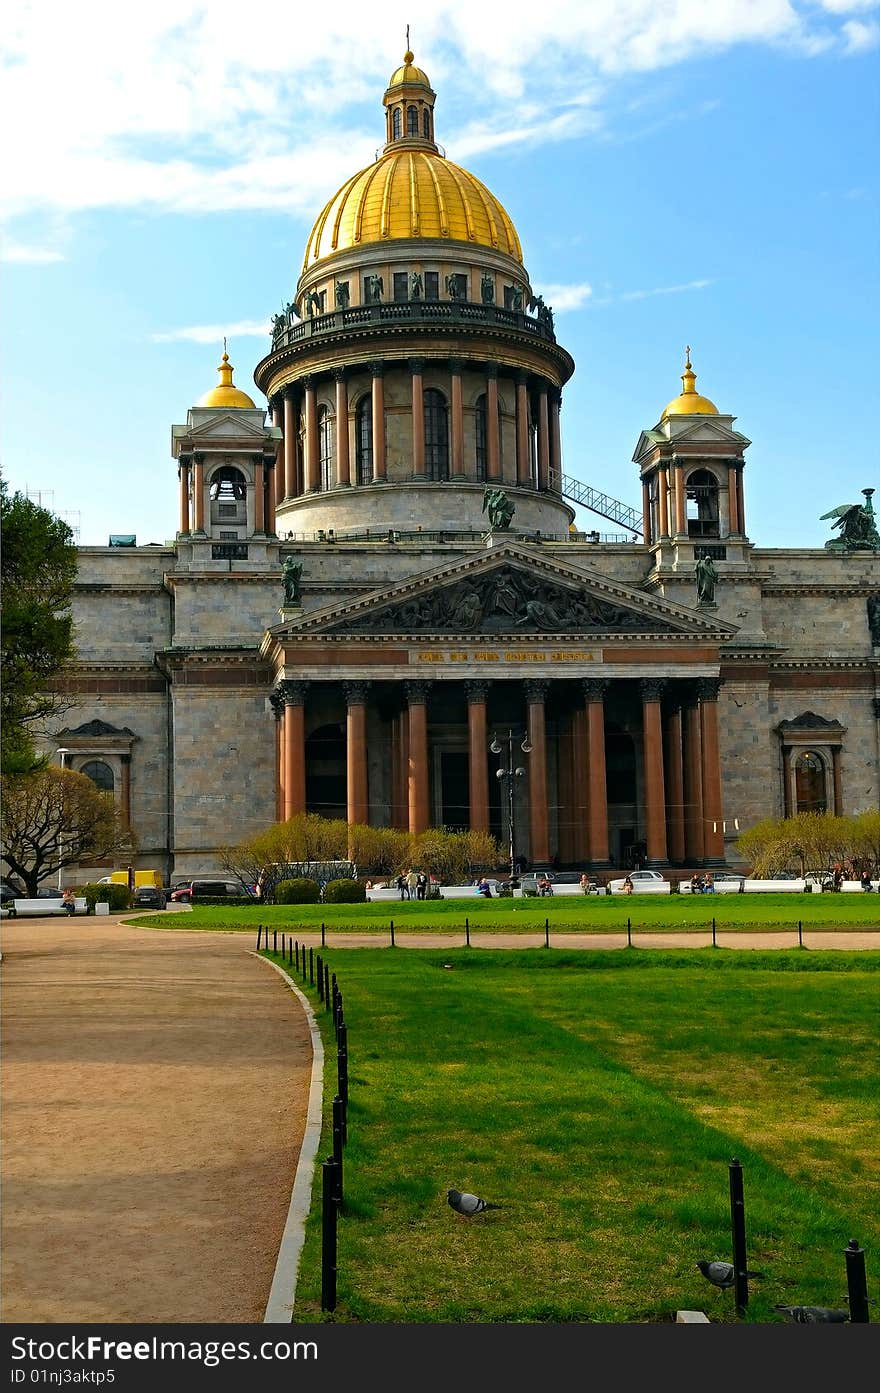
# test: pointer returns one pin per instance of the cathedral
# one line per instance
(377, 607)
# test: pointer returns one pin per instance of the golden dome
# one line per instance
(689, 402)
(409, 73)
(225, 394)
(411, 194)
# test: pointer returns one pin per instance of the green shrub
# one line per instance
(345, 892)
(299, 891)
(117, 896)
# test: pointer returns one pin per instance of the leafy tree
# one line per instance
(53, 818)
(38, 568)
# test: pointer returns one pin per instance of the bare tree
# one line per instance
(55, 818)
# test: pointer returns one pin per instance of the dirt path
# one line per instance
(155, 1089)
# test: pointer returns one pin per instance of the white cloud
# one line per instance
(215, 333)
(566, 297)
(34, 256)
(181, 106)
(665, 290)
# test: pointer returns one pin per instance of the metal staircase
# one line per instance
(596, 502)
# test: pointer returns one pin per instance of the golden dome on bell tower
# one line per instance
(225, 393)
(689, 402)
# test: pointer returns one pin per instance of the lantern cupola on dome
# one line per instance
(689, 402)
(225, 394)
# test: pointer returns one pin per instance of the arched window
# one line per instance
(412, 120)
(364, 439)
(325, 447)
(809, 783)
(100, 774)
(396, 124)
(228, 485)
(702, 504)
(436, 435)
(426, 124)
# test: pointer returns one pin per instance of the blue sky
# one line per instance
(677, 174)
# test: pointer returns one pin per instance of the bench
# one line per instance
(49, 904)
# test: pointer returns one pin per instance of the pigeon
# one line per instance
(466, 1204)
(721, 1274)
(812, 1315)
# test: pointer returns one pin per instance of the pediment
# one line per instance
(514, 592)
(229, 425)
(709, 431)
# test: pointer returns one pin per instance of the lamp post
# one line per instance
(511, 774)
(62, 755)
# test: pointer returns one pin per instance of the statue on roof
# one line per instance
(499, 508)
(858, 526)
(705, 574)
(292, 574)
(487, 288)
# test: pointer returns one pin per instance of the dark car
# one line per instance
(214, 889)
(149, 897)
(7, 894)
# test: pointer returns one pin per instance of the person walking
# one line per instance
(402, 887)
(422, 886)
(412, 884)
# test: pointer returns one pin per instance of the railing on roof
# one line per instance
(409, 312)
(391, 536)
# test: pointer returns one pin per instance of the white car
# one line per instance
(643, 882)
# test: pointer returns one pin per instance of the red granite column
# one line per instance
(713, 836)
(377, 370)
(655, 795)
(294, 694)
(579, 803)
(740, 500)
(358, 803)
(313, 478)
(539, 832)
(403, 741)
(565, 821)
(278, 708)
(679, 492)
(555, 438)
(259, 495)
(543, 440)
(523, 471)
(457, 420)
(343, 461)
(278, 423)
(493, 438)
(597, 789)
(269, 469)
(183, 474)
(478, 773)
(198, 493)
(674, 786)
(732, 499)
(662, 498)
(290, 433)
(419, 806)
(693, 782)
(417, 367)
(647, 532)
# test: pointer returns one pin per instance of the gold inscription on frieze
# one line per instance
(555, 655)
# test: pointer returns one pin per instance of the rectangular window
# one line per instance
(401, 280)
(228, 510)
(432, 285)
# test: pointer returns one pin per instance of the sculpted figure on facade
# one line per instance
(415, 286)
(291, 574)
(375, 286)
(858, 526)
(705, 574)
(343, 295)
(499, 508)
(487, 289)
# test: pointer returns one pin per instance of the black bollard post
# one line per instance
(392, 933)
(337, 1014)
(274, 940)
(329, 1210)
(283, 946)
(800, 934)
(319, 965)
(714, 939)
(327, 986)
(296, 953)
(857, 1285)
(259, 935)
(738, 1231)
(629, 938)
(322, 934)
(467, 932)
(289, 953)
(342, 1063)
(311, 966)
(337, 1145)
(546, 933)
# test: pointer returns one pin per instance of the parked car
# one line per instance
(149, 897)
(643, 882)
(530, 881)
(7, 894)
(212, 888)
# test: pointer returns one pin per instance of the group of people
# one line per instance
(702, 884)
(413, 885)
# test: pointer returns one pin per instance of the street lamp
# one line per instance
(511, 774)
(62, 755)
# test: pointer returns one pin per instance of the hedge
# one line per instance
(298, 891)
(117, 896)
(345, 892)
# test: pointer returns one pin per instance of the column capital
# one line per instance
(377, 367)
(290, 392)
(491, 370)
(308, 383)
(594, 688)
(198, 458)
(652, 688)
(417, 366)
(293, 693)
(708, 688)
(456, 366)
(536, 690)
(476, 691)
(417, 692)
(356, 693)
(276, 701)
(339, 374)
(555, 395)
(521, 377)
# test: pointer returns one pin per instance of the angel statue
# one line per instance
(499, 507)
(858, 528)
(291, 573)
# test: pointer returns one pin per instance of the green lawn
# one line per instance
(570, 914)
(599, 1098)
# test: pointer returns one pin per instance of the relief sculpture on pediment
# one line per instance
(503, 601)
